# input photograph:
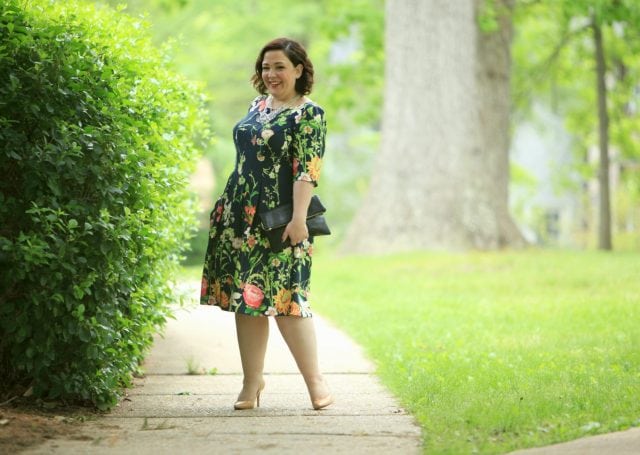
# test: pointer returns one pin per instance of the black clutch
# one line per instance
(274, 222)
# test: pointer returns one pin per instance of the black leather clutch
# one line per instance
(274, 222)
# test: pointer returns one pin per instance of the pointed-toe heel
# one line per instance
(249, 404)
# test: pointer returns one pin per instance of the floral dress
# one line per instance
(241, 273)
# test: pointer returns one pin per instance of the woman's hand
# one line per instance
(296, 231)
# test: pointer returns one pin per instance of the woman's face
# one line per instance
(279, 75)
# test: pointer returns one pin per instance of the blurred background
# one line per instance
(554, 142)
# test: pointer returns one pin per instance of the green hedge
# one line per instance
(99, 137)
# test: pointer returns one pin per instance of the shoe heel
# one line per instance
(242, 405)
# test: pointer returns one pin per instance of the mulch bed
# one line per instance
(28, 423)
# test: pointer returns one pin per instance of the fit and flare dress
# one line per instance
(241, 273)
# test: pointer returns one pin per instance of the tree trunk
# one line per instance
(604, 226)
(442, 173)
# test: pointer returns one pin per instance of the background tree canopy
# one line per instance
(553, 80)
(218, 43)
(556, 67)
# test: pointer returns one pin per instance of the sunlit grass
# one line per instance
(496, 351)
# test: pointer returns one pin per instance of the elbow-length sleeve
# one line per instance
(308, 144)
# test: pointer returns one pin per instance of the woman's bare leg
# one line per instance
(299, 334)
(253, 334)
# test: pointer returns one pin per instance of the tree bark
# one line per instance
(604, 225)
(442, 173)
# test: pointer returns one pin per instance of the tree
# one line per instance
(581, 56)
(442, 173)
(604, 227)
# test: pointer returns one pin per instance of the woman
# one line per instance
(279, 149)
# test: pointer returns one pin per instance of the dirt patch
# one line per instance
(24, 425)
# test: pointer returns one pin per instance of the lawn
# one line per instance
(496, 351)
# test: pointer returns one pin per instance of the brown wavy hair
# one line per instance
(298, 56)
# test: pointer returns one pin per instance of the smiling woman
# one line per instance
(279, 150)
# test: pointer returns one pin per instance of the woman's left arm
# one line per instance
(307, 153)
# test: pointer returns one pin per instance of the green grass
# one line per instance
(496, 351)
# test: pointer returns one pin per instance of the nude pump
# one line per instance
(249, 404)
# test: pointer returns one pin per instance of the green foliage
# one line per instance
(220, 41)
(99, 137)
(218, 44)
(554, 64)
(490, 13)
(493, 352)
(351, 36)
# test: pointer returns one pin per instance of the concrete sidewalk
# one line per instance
(169, 411)
(619, 443)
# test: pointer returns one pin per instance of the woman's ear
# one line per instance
(299, 69)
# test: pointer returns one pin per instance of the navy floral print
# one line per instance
(241, 273)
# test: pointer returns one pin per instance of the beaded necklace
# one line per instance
(269, 113)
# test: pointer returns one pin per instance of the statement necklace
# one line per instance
(268, 113)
